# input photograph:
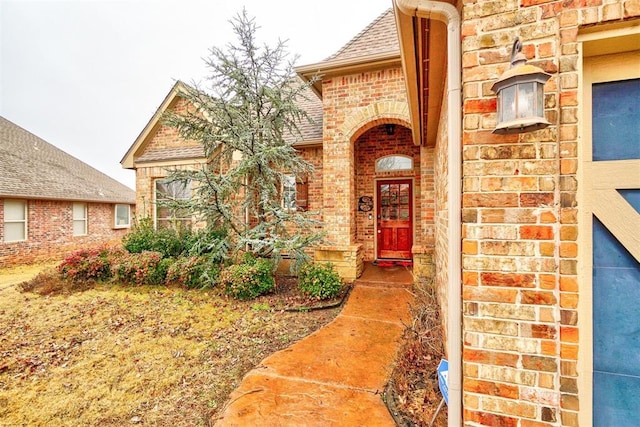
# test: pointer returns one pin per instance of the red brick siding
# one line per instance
(345, 102)
(167, 136)
(520, 288)
(50, 231)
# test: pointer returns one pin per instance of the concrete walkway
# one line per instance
(335, 376)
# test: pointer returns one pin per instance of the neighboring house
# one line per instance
(532, 240)
(52, 203)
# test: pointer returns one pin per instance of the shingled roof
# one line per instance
(377, 46)
(311, 131)
(32, 168)
(379, 37)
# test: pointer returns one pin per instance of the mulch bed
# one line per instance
(287, 297)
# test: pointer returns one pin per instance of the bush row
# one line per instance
(248, 279)
(144, 268)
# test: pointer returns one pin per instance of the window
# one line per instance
(295, 194)
(123, 216)
(394, 163)
(289, 192)
(79, 219)
(15, 220)
(170, 197)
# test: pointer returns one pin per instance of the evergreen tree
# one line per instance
(248, 122)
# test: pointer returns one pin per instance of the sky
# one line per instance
(88, 75)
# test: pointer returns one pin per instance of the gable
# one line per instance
(159, 142)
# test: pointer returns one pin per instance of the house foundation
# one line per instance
(347, 260)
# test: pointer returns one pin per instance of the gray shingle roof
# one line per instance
(311, 132)
(381, 36)
(32, 168)
(175, 153)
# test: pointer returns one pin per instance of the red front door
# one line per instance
(395, 218)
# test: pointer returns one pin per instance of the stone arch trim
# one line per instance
(365, 118)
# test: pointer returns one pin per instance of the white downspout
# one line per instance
(448, 14)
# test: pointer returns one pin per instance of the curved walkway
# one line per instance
(336, 375)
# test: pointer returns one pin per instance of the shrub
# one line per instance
(88, 264)
(169, 242)
(248, 280)
(145, 268)
(194, 272)
(319, 281)
(212, 242)
(174, 242)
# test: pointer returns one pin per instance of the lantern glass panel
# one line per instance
(508, 103)
(526, 99)
(540, 99)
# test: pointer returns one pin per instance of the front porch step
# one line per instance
(385, 277)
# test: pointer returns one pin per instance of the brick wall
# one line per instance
(520, 287)
(50, 232)
(352, 105)
(167, 136)
(441, 219)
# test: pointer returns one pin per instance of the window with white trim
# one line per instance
(394, 163)
(169, 202)
(79, 219)
(295, 193)
(289, 192)
(15, 220)
(122, 216)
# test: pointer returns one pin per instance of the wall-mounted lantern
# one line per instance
(390, 128)
(520, 92)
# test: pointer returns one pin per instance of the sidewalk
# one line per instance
(336, 375)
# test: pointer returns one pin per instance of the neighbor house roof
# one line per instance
(376, 46)
(32, 168)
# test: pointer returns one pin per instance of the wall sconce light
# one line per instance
(520, 93)
(390, 128)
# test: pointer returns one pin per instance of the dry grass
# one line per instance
(111, 356)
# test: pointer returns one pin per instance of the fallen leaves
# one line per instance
(143, 355)
(413, 391)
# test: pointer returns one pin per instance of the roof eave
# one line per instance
(308, 143)
(67, 199)
(406, 37)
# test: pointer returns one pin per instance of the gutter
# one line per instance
(448, 14)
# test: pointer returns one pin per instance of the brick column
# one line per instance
(338, 190)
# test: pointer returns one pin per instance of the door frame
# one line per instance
(601, 61)
(378, 181)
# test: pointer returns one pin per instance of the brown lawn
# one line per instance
(110, 355)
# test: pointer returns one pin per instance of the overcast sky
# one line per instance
(87, 75)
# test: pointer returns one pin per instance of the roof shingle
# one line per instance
(30, 167)
(381, 36)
